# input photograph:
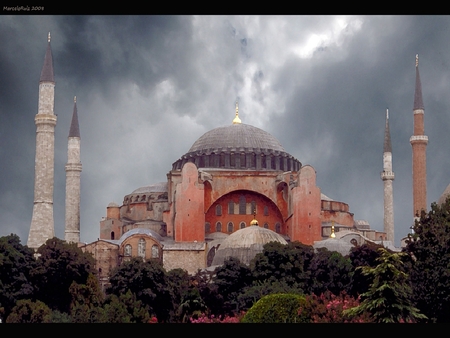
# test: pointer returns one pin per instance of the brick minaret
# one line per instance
(73, 171)
(388, 176)
(42, 227)
(419, 144)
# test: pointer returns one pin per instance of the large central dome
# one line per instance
(238, 146)
(234, 137)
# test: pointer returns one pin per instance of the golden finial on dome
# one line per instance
(236, 119)
(48, 36)
(333, 235)
(417, 60)
(254, 221)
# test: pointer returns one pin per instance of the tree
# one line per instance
(125, 309)
(429, 266)
(231, 278)
(288, 264)
(28, 311)
(16, 263)
(87, 301)
(364, 255)
(330, 271)
(147, 280)
(277, 308)
(58, 265)
(389, 298)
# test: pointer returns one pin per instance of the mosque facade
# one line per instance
(232, 178)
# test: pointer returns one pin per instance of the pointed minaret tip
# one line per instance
(74, 126)
(387, 135)
(387, 114)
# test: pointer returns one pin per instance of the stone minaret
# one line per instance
(419, 144)
(388, 176)
(42, 227)
(73, 171)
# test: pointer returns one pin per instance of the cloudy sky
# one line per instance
(148, 86)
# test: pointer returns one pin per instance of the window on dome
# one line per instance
(141, 248)
(242, 160)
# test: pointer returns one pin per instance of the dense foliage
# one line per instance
(277, 308)
(429, 264)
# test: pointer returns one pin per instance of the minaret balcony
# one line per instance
(387, 175)
(418, 139)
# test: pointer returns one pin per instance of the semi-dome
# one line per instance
(239, 146)
(245, 244)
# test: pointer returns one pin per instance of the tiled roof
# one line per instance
(236, 136)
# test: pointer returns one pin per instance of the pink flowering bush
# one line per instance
(153, 320)
(329, 308)
(203, 318)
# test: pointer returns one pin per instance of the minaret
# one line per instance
(73, 171)
(419, 144)
(388, 176)
(42, 227)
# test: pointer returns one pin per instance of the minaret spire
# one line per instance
(73, 171)
(236, 119)
(388, 176)
(42, 224)
(419, 143)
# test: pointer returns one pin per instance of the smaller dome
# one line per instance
(245, 244)
(158, 187)
(140, 231)
(113, 205)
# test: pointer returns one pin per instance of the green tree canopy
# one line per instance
(389, 298)
(429, 268)
(58, 266)
(28, 311)
(148, 281)
(16, 263)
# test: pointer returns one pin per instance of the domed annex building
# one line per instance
(231, 176)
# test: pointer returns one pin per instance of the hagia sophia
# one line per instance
(235, 189)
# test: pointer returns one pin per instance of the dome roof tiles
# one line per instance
(235, 137)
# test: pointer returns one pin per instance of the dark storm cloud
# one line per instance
(148, 86)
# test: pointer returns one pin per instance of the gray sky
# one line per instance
(148, 86)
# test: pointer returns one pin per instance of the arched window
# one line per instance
(207, 227)
(127, 251)
(218, 227)
(141, 248)
(242, 205)
(218, 210)
(230, 208)
(155, 251)
(278, 228)
(242, 225)
(112, 235)
(253, 207)
(230, 227)
(266, 225)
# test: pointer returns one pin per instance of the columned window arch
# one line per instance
(141, 248)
